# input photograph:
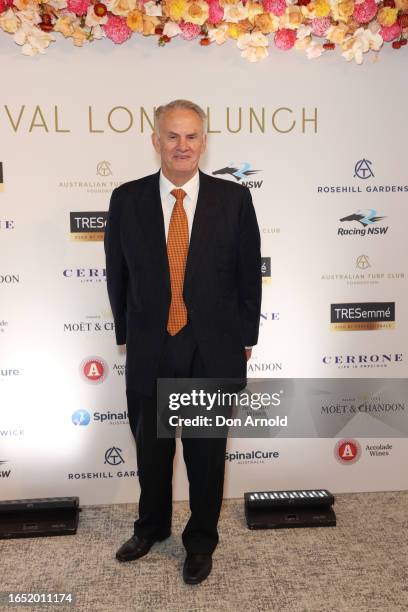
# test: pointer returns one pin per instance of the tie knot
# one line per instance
(179, 194)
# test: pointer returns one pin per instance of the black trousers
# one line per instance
(204, 458)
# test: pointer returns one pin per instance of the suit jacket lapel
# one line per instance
(152, 221)
(203, 223)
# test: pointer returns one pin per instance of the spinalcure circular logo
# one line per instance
(94, 370)
(347, 451)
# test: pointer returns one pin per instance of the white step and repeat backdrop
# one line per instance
(322, 146)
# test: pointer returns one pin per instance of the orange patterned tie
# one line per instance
(177, 249)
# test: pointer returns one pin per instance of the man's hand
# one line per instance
(248, 353)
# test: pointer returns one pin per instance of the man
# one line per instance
(184, 281)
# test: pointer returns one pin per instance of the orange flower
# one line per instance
(135, 21)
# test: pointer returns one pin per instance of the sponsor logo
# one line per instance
(103, 169)
(6, 224)
(241, 173)
(9, 279)
(81, 417)
(86, 275)
(362, 360)
(363, 171)
(347, 451)
(352, 406)
(93, 324)
(366, 218)
(362, 316)
(113, 456)
(94, 370)
(363, 262)
(253, 456)
(88, 226)
(266, 270)
(365, 275)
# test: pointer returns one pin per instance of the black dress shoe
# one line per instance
(196, 568)
(137, 547)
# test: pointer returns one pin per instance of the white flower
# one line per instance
(58, 4)
(32, 39)
(314, 50)
(152, 9)
(235, 12)
(98, 32)
(171, 29)
(92, 19)
(9, 21)
(303, 31)
(362, 41)
(253, 46)
(218, 35)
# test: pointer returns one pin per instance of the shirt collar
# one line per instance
(191, 187)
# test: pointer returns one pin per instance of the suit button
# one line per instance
(192, 310)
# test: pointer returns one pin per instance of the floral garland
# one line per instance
(315, 26)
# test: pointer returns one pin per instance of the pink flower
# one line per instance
(5, 4)
(189, 30)
(79, 7)
(364, 12)
(277, 7)
(285, 39)
(117, 29)
(320, 26)
(216, 12)
(389, 33)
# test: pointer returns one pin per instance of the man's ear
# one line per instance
(156, 142)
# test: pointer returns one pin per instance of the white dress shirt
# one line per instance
(190, 200)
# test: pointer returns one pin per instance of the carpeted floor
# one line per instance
(360, 565)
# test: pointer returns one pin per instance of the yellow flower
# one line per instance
(23, 5)
(304, 43)
(233, 30)
(226, 2)
(265, 23)
(9, 22)
(135, 21)
(343, 10)
(346, 8)
(176, 9)
(254, 9)
(387, 16)
(293, 17)
(322, 8)
(336, 34)
(149, 25)
(196, 12)
(65, 25)
(123, 7)
(79, 35)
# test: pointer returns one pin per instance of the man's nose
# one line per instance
(183, 144)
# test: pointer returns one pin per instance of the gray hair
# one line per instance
(185, 104)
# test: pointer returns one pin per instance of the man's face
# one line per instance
(180, 143)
